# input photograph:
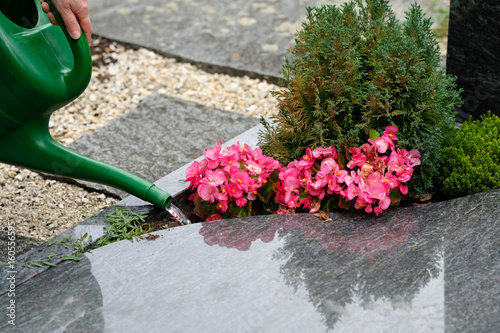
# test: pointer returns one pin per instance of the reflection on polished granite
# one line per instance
(431, 268)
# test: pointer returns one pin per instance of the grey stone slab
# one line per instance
(237, 36)
(431, 268)
(16, 244)
(160, 135)
(474, 55)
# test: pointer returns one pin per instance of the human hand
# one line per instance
(75, 14)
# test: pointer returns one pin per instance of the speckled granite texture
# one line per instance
(430, 268)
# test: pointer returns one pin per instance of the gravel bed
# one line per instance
(122, 76)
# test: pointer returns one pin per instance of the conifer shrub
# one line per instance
(355, 68)
(471, 158)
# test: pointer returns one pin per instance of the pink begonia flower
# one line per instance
(234, 191)
(384, 203)
(390, 181)
(341, 176)
(377, 191)
(290, 171)
(291, 199)
(235, 149)
(379, 163)
(253, 168)
(228, 160)
(222, 205)
(306, 202)
(306, 161)
(248, 153)
(374, 178)
(357, 158)
(328, 165)
(315, 206)
(252, 195)
(268, 163)
(212, 163)
(241, 179)
(208, 192)
(320, 152)
(223, 194)
(377, 210)
(291, 183)
(351, 192)
(241, 202)
(212, 156)
(404, 175)
(333, 186)
(193, 174)
(214, 217)
(382, 144)
(403, 189)
(214, 178)
(398, 160)
(366, 170)
(360, 204)
(319, 193)
(390, 132)
(414, 157)
(262, 179)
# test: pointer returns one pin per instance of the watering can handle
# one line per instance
(81, 52)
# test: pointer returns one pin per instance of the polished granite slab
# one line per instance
(431, 268)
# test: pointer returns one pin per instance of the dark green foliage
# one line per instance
(471, 158)
(357, 68)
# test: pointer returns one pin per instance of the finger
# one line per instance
(52, 19)
(71, 23)
(86, 27)
(45, 7)
(82, 16)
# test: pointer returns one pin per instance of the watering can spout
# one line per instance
(42, 69)
(32, 147)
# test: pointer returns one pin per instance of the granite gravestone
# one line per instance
(474, 55)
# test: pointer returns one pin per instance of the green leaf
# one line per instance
(303, 195)
(4, 263)
(52, 255)
(332, 204)
(246, 210)
(35, 263)
(266, 191)
(344, 204)
(71, 257)
(274, 176)
(395, 195)
(374, 135)
(48, 263)
(203, 209)
(27, 265)
(341, 160)
(233, 209)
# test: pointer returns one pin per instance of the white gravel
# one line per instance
(42, 208)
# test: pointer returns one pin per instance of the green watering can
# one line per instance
(42, 69)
